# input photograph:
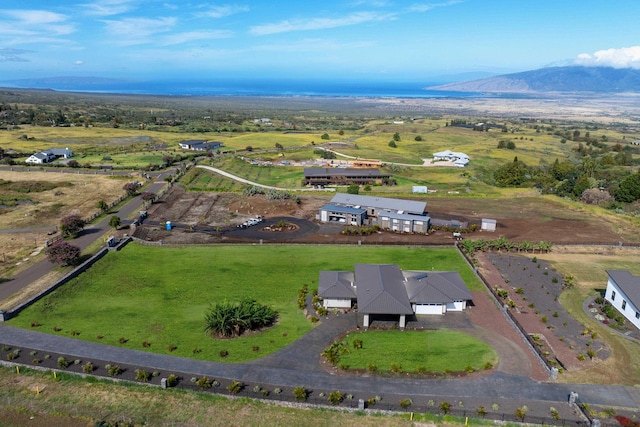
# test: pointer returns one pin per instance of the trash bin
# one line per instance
(169, 225)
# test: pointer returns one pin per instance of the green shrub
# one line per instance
(62, 362)
(445, 407)
(204, 382)
(481, 411)
(172, 380)
(114, 370)
(335, 397)
(300, 394)
(88, 368)
(142, 375)
(227, 320)
(235, 387)
(405, 403)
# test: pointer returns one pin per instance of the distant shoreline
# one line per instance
(597, 107)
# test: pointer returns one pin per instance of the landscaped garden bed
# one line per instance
(531, 293)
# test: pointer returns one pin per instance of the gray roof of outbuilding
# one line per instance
(382, 203)
(336, 284)
(429, 287)
(381, 290)
(343, 209)
(628, 283)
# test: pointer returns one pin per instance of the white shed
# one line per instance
(488, 224)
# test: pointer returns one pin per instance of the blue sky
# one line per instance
(346, 39)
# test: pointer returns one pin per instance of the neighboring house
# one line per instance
(623, 292)
(459, 159)
(49, 155)
(199, 145)
(488, 224)
(407, 216)
(384, 289)
(343, 176)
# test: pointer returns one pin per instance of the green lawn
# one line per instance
(160, 294)
(436, 351)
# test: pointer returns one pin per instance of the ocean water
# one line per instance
(250, 87)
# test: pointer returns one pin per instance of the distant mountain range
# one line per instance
(554, 79)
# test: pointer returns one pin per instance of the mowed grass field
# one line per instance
(437, 351)
(161, 294)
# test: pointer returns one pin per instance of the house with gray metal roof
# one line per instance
(338, 289)
(384, 289)
(407, 216)
(623, 292)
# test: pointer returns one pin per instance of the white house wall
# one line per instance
(630, 312)
(429, 308)
(336, 303)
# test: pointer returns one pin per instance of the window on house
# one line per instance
(624, 304)
(637, 315)
(613, 295)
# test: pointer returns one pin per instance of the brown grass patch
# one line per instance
(74, 193)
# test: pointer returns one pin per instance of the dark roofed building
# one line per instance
(384, 289)
(337, 290)
(343, 176)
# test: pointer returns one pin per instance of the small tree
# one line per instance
(168, 160)
(521, 413)
(72, 225)
(418, 138)
(325, 136)
(481, 411)
(102, 206)
(335, 397)
(73, 164)
(396, 136)
(353, 189)
(148, 196)
(392, 144)
(131, 188)
(63, 253)
(248, 148)
(115, 221)
(445, 407)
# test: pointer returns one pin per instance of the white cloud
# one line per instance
(180, 38)
(626, 57)
(78, 63)
(109, 7)
(28, 22)
(312, 45)
(13, 55)
(222, 11)
(425, 7)
(320, 23)
(132, 31)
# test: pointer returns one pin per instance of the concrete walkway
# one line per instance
(255, 184)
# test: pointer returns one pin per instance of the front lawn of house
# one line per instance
(433, 351)
(155, 298)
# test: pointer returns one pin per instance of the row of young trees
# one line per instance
(503, 244)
